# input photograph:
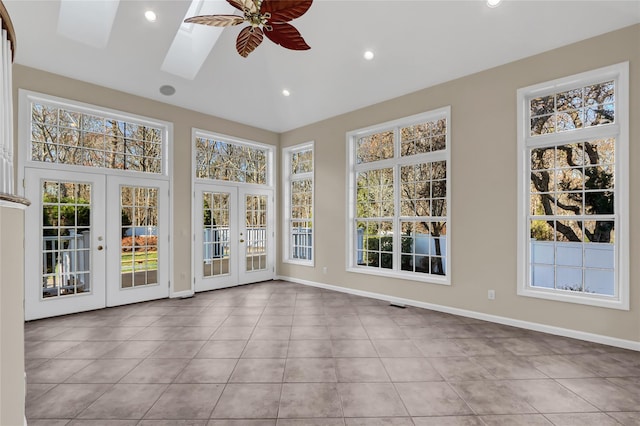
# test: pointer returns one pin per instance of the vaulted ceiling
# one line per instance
(416, 44)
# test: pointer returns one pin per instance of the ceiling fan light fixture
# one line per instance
(369, 55)
(493, 3)
(150, 15)
(266, 18)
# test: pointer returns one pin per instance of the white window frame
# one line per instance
(199, 133)
(26, 98)
(287, 179)
(396, 162)
(620, 130)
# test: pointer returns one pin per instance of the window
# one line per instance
(573, 189)
(78, 136)
(298, 203)
(399, 198)
(221, 158)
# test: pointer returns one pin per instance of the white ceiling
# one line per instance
(417, 44)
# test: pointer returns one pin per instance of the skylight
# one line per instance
(193, 43)
(87, 22)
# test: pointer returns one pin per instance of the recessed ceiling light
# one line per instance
(285, 92)
(150, 15)
(493, 3)
(167, 90)
(368, 55)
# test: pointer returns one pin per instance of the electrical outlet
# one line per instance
(491, 295)
(324, 269)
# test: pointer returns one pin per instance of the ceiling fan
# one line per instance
(265, 17)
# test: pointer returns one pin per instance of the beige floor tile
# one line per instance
(232, 333)
(448, 421)
(104, 371)
(627, 418)
(582, 419)
(431, 399)
(133, 349)
(560, 366)
(360, 370)
(305, 400)
(186, 401)
(187, 349)
(159, 370)
(379, 421)
(492, 397)
(370, 400)
(251, 370)
(76, 398)
(603, 394)
(222, 349)
(266, 349)
(310, 370)
(207, 371)
(311, 332)
(232, 353)
(310, 349)
(516, 420)
(56, 370)
(248, 401)
(410, 370)
(547, 396)
(509, 367)
(124, 401)
(394, 348)
(310, 422)
(271, 333)
(347, 332)
(353, 349)
(459, 369)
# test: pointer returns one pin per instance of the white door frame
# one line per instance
(35, 305)
(116, 295)
(238, 237)
(268, 273)
(105, 243)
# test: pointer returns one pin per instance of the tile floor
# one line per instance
(283, 354)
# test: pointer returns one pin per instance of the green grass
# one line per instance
(141, 261)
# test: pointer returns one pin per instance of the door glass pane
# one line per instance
(66, 238)
(139, 236)
(256, 238)
(215, 234)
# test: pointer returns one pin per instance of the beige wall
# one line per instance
(483, 212)
(12, 389)
(183, 120)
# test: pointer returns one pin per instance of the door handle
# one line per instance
(100, 248)
(242, 241)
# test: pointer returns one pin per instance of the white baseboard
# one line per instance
(179, 294)
(558, 331)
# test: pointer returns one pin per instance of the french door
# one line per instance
(93, 241)
(233, 236)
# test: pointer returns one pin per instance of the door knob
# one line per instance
(242, 241)
(100, 248)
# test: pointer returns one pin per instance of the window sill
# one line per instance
(599, 301)
(299, 262)
(430, 279)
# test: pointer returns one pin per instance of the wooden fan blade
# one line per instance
(248, 39)
(216, 20)
(285, 10)
(243, 5)
(287, 36)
